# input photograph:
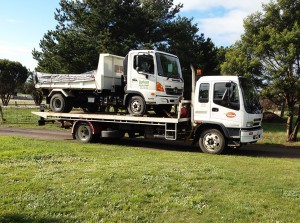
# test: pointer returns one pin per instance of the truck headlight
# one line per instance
(249, 124)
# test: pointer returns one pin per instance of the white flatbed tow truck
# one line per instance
(224, 112)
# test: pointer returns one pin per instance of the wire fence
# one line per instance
(18, 114)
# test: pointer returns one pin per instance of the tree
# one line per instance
(12, 76)
(240, 62)
(271, 39)
(88, 27)
(183, 40)
(29, 88)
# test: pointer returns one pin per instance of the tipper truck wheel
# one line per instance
(60, 104)
(212, 141)
(136, 106)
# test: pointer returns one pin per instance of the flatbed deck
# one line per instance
(113, 118)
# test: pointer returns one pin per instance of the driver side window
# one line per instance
(204, 93)
(144, 63)
(227, 95)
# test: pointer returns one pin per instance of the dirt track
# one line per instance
(255, 150)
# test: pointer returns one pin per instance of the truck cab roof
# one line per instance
(151, 51)
(219, 78)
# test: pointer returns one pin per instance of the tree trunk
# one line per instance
(293, 135)
(289, 126)
(282, 109)
(5, 99)
(1, 114)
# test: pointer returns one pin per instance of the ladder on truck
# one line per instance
(171, 131)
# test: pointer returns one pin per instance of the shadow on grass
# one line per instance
(155, 144)
(269, 150)
(252, 150)
(19, 218)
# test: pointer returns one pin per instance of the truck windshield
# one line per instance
(250, 96)
(168, 66)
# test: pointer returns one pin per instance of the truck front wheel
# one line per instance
(212, 141)
(136, 106)
(59, 103)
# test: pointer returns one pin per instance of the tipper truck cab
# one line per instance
(224, 112)
(143, 79)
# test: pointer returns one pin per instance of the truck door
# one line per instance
(202, 103)
(142, 77)
(225, 107)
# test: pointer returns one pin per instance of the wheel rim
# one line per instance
(212, 142)
(136, 106)
(57, 103)
(83, 133)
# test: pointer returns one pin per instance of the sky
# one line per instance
(23, 23)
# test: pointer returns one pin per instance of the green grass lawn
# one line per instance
(73, 182)
(275, 133)
(19, 116)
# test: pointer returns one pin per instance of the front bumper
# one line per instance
(250, 136)
(167, 100)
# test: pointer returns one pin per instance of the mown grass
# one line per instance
(19, 115)
(72, 182)
(275, 133)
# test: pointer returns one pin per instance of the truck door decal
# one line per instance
(230, 114)
(144, 84)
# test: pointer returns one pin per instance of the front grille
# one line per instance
(174, 91)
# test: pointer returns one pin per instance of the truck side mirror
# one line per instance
(225, 96)
(136, 62)
(228, 85)
(140, 71)
(227, 92)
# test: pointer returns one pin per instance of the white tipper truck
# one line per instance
(224, 112)
(142, 79)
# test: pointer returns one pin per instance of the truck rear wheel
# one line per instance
(84, 132)
(136, 106)
(212, 141)
(60, 104)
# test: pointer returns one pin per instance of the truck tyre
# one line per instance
(84, 133)
(60, 104)
(136, 106)
(212, 141)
